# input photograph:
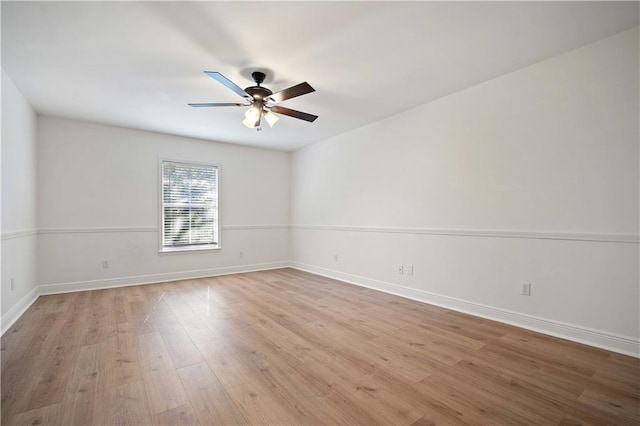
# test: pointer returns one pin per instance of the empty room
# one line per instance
(320, 213)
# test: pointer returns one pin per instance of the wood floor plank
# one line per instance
(209, 399)
(102, 320)
(87, 387)
(619, 372)
(120, 356)
(618, 403)
(128, 405)
(24, 341)
(344, 406)
(289, 347)
(139, 314)
(54, 414)
(163, 389)
(61, 302)
(435, 332)
(476, 405)
(516, 392)
(18, 382)
(152, 353)
(423, 350)
(259, 407)
(433, 411)
(178, 416)
(264, 403)
(517, 375)
(386, 405)
(26, 325)
(119, 308)
(54, 376)
(180, 347)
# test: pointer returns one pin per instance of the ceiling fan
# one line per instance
(262, 100)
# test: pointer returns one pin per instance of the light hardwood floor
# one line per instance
(287, 347)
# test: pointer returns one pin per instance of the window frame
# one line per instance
(190, 248)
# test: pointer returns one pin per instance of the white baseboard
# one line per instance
(609, 341)
(156, 278)
(18, 309)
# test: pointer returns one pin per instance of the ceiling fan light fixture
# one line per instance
(271, 118)
(248, 123)
(252, 114)
(252, 117)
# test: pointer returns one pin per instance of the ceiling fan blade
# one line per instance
(292, 92)
(228, 83)
(216, 105)
(293, 113)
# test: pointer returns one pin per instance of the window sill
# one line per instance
(188, 249)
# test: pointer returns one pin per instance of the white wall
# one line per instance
(18, 201)
(532, 176)
(98, 197)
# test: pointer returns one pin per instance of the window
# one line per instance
(189, 206)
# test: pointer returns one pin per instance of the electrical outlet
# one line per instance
(241, 254)
(525, 289)
(400, 270)
(408, 269)
(105, 264)
(335, 257)
(13, 284)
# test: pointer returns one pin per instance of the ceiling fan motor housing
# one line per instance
(258, 92)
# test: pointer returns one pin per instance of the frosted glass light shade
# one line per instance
(271, 118)
(251, 117)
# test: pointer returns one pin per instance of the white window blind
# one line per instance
(189, 205)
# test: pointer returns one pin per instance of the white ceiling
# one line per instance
(137, 64)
